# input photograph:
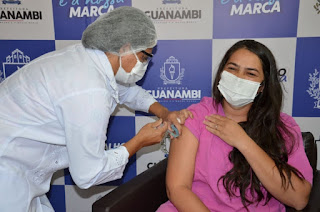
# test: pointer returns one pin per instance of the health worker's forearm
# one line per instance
(159, 110)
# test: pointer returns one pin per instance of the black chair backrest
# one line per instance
(310, 148)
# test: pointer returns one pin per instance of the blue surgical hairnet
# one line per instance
(118, 28)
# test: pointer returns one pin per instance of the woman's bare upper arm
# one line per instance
(181, 160)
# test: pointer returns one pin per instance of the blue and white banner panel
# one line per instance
(179, 19)
(16, 53)
(174, 79)
(26, 20)
(255, 18)
(306, 96)
(71, 18)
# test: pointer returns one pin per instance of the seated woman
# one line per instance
(239, 152)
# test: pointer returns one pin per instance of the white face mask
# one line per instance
(236, 91)
(135, 75)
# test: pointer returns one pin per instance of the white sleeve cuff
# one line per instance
(123, 153)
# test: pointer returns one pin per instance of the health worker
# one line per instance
(54, 112)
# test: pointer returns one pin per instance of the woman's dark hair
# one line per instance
(263, 125)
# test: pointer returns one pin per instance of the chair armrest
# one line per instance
(314, 203)
(314, 200)
(145, 192)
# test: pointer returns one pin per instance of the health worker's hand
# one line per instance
(152, 133)
(228, 130)
(177, 118)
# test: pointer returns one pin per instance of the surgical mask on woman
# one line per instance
(236, 91)
(135, 75)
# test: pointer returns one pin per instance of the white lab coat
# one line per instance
(54, 113)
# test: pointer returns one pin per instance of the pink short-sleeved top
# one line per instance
(212, 162)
